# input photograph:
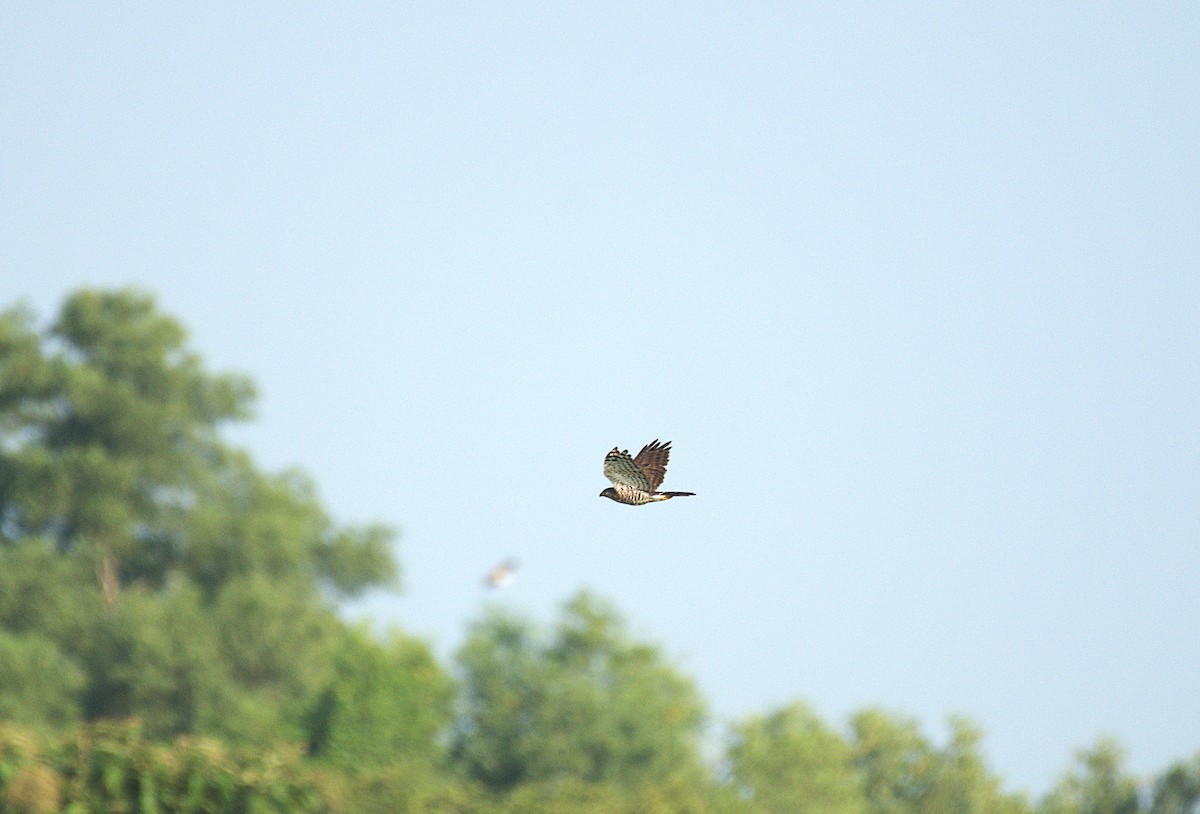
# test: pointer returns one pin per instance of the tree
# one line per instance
(961, 780)
(156, 658)
(38, 683)
(1177, 790)
(589, 704)
(46, 593)
(895, 761)
(1098, 784)
(109, 448)
(903, 772)
(790, 762)
(105, 419)
(185, 585)
(384, 704)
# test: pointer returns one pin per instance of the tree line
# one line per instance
(169, 641)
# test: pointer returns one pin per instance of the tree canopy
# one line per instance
(587, 702)
(149, 569)
(170, 641)
(109, 448)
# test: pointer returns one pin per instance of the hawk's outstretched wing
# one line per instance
(623, 471)
(653, 461)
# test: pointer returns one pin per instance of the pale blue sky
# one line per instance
(915, 291)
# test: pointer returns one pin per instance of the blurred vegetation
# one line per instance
(169, 642)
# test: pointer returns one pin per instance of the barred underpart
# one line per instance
(635, 481)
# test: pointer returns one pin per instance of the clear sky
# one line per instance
(914, 289)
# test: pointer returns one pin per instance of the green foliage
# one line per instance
(895, 761)
(402, 787)
(190, 588)
(903, 772)
(676, 795)
(1097, 784)
(109, 446)
(961, 781)
(590, 704)
(38, 683)
(44, 592)
(286, 650)
(103, 428)
(384, 704)
(155, 656)
(111, 768)
(354, 559)
(790, 762)
(158, 591)
(1177, 790)
(27, 784)
(245, 523)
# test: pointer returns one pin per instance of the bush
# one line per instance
(38, 684)
(110, 767)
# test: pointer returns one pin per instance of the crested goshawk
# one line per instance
(634, 480)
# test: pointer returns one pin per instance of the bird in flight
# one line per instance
(635, 480)
(502, 575)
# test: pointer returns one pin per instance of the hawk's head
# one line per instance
(609, 493)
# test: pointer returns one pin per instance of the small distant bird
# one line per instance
(634, 480)
(502, 575)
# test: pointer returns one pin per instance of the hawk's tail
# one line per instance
(669, 495)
